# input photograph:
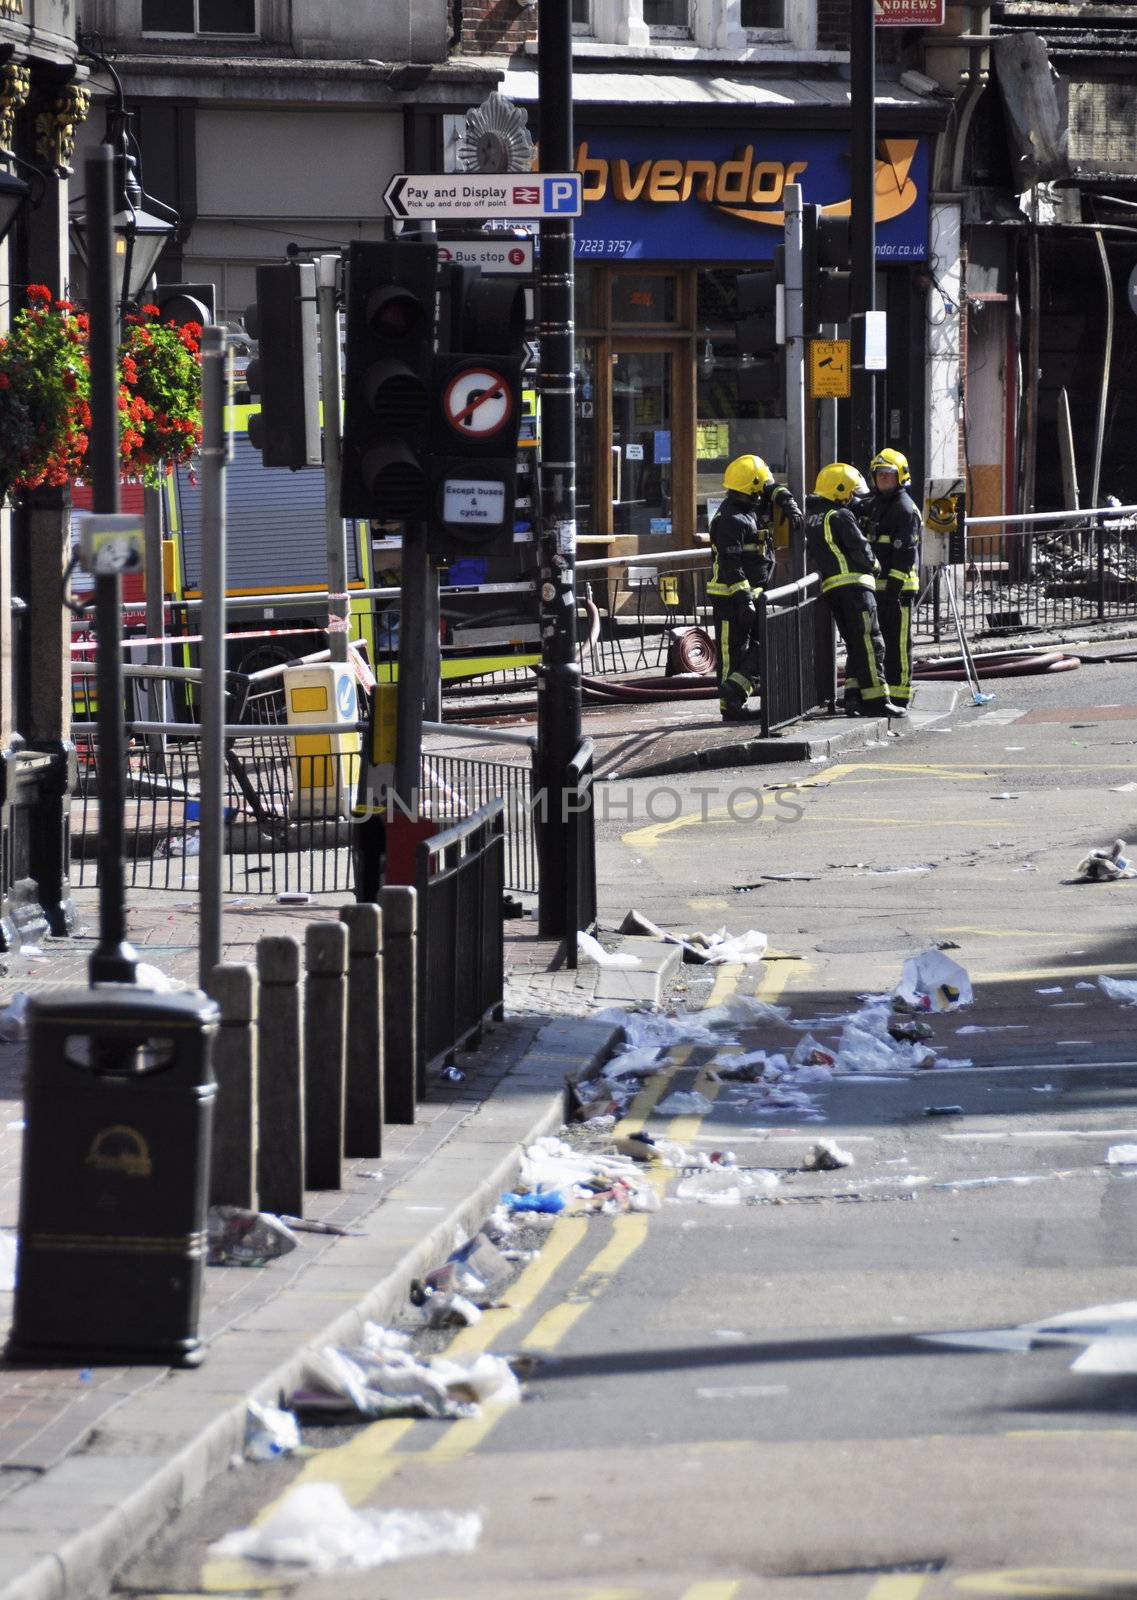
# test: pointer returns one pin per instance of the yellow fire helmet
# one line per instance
(941, 514)
(747, 475)
(841, 482)
(892, 461)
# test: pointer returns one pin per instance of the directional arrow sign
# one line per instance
(473, 195)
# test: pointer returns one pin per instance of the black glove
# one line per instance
(894, 588)
(790, 509)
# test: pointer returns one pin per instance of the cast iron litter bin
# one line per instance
(114, 1185)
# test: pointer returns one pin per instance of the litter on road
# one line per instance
(1106, 866)
(240, 1238)
(1121, 1155)
(1124, 989)
(315, 1530)
(269, 1432)
(827, 1156)
(382, 1377)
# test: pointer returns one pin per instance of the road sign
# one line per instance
(496, 255)
(472, 196)
(473, 500)
(830, 361)
(477, 402)
(909, 13)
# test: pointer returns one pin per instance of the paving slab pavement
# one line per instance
(96, 1458)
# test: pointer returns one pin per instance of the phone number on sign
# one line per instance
(603, 247)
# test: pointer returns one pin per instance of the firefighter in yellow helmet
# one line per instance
(743, 546)
(840, 553)
(892, 522)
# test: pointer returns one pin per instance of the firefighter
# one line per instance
(892, 522)
(743, 543)
(839, 551)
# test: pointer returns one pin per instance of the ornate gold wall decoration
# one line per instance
(56, 125)
(15, 86)
(11, 8)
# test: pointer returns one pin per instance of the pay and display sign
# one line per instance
(472, 195)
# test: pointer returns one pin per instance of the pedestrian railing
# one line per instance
(580, 819)
(796, 653)
(459, 877)
(628, 607)
(1048, 572)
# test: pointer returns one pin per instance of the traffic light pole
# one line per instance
(795, 348)
(559, 692)
(862, 65)
(214, 456)
(331, 393)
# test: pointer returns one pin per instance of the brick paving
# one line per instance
(47, 1412)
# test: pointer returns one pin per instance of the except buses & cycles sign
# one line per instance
(717, 196)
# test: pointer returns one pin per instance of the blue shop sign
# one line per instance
(709, 196)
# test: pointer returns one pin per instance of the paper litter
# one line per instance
(1124, 989)
(269, 1432)
(1106, 866)
(382, 1377)
(1121, 1155)
(932, 981)
(240, 1238)
(314, 1529)
(592, 950)
(1109, 1334)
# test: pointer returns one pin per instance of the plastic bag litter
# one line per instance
(316, 1530)
(269, 1432)
(14, 1018)
(382, 1377)
(240, 1238)
(641, 1062)
(1106, 866)
(827, 1156)
(592, 950)
(684, 1102)
(867, 1046)
(478, 1271)
(741, 1009)
(148, 976)
(724, 1186)
(451, 1311)
(932, 981)
(1124, 989)
(743, 949)
(1121, 1155)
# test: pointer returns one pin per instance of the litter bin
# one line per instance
(114, 1185)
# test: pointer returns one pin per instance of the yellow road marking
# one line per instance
(560, 1244)
(720, 1590)
(1060, 1583)
(628, 1233)
(898, 1586)
(1046, 973)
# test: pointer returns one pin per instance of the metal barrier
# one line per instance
(796, 653)
(461, 937)
(1057, 571)
(454, 786)
(631, 604)
(580, 817)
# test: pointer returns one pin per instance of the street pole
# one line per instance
(157, 694)
(862, 231)
(113, 960)
(411, 691)
(214, 455)
(795, 353)
(331, 393)
(558, 677)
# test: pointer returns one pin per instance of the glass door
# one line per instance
(642, 416)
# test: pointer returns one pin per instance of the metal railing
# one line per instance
(580, 817)
(796, 653)
(630, 604)
(459, 876)
(1048, 570)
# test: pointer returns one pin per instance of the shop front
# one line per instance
(670, 220)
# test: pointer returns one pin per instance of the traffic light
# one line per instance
(476, 417)
(391, 292)
(285, 372)
(758, 332)
(186, 302)
(826, 259)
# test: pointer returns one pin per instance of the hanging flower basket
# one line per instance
(45, 383)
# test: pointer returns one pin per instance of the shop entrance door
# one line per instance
(644, 412)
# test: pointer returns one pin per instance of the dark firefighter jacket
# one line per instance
(743, 542)
(893, 522)
(837, 547)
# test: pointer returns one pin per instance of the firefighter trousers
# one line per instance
(895, 613)
(736, 635)
(854, 611)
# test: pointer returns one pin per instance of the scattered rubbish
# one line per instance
(899, 871)
(383, 1377)
(1084, 985)
(1109, 1334)
(947, 944)
(933, 982)
(592, 950)
(147, 976)
(708, 948)
(293, 897)
(473, 1279)
(176, 844)
(14, 1018)
(684, 1102)
(451, 1311)
(943, 1111)
(1106, 866)
(911, 1029)
(1054, 989)
(314, 1529)
(744, 1391)
(310, 1225)
(1004, 796)
(827, 1156)
(1043, 1088)
(1121, 1155)
(453, 1075)
(786, 877)
(9, 1249)
(554, 1201)
(867, 1046)
(724, 1186)
(993, 1027)
(1019, 1179)
(240, 1238)
(269, 1432)
(1124, 989)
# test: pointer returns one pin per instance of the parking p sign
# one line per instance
(475, 196)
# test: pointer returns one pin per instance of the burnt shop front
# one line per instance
(669, 222)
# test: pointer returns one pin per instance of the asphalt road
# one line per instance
(739, 1402)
